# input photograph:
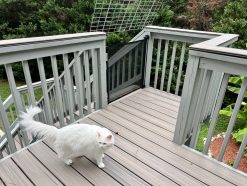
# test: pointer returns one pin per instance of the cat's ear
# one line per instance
(109, 137)
(98, 134)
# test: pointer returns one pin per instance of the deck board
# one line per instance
(144, 154)
(66, 174)
(151, 160)
(29, 164)
(11, 174)
(153, 143)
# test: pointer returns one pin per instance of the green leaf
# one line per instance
(226, 112)
(236, 80)
(239, 136)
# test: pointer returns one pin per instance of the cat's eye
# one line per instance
(102, 143)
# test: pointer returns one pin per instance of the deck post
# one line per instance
(184, 108)
(149, 61)
(102, 75)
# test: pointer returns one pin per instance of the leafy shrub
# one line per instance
(239, 135)
(202, 11)
(236, 82)
(234, 20)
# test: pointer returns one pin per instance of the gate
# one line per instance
(125, 69)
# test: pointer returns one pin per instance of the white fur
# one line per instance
(73, 140)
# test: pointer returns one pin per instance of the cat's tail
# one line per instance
(38, 129)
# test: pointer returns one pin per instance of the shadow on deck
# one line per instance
(144, 154)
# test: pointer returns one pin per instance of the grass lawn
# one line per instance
(5, 91)
(4, 88)
(221, 126)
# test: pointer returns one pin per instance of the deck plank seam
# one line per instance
(167, 149)
(160, 98)
(128, 169)
(172, 131)
(1, 180)
(155, 91)
(152, 108)
(145, 119)
(45, 167)
(70, 166)
(146, 112)
(153, 155)
(104, 170)
(154, 104)
(164, 95)
(145, 164)
(143, 126)
(22, 171)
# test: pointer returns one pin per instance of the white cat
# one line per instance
(73, 140)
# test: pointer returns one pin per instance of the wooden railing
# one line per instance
(125, 69)
(77, 91)
(167, 57)
(205, 60)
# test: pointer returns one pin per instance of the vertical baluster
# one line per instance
(96, 77)
(72, 86)
(43, 113)
(219, 79)
(157, 64)
(233, 119)
(108, 78)
(68, 87)
(47, 108)
(63, 91)
(123, 69)
(142, 58)
(6, 127)
(16, 96)
(149, 61)
(164, 65)
(53, 105)
(172, 66)
(118, 72)
(28, 79)
(79, 83)
(180, 68)
(59, 102)
(88, 84)
(240, 151)
(219, 102)
(199, 107)
(136, 60)
(129, 65)
(113, 76)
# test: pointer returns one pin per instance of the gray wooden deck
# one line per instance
(144, 123)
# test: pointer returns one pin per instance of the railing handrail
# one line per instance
(10, 45)
(45, 46)
(210, 37)
(182, 32)
(231, 52)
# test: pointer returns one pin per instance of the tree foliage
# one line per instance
(201, 12)
(28, 18)
(234, 20)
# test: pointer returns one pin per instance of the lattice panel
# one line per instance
(123, 15)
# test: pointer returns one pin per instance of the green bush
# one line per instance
(234, 20)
